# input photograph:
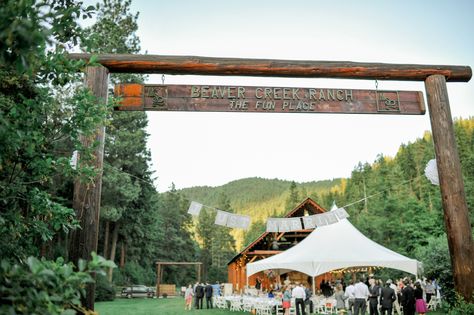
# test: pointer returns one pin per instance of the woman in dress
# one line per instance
(188, 297)
(340, 298)
(420, 304)
(286, 300)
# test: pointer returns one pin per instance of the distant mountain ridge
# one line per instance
(255, 190)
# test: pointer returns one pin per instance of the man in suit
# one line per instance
(408, 299)
(208, 292)
(361, 294)
(387, 298)
(199, 294)
(374, 293)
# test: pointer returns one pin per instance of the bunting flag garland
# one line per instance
(321, 220)
(195, 208)
(233, 221)
(272, 225)
(341, 213)
(331, 217)
(238, 221)
(284, 225)
(431, 172)
(295, 224)
(221, 218)
(244, 222)
(309, 222)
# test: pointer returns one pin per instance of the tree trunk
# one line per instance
(113, 248)
(106, 239)
(122, 254)
(86, 199)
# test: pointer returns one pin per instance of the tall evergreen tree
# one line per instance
(293, 198)
(129, 217)
(218, 245)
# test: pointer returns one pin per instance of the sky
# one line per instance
(211, 149)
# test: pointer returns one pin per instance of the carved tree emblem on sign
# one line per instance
(158, 95)
(388, 101)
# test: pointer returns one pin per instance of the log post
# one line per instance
(86, 199)
(456, 216)
(158, 279)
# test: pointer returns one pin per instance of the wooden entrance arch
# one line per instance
(86, 200)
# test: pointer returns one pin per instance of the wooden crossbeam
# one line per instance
(125, 63)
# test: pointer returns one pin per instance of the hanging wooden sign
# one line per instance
(218, 98)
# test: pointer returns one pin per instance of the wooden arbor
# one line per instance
(160, 267)
(461, 245)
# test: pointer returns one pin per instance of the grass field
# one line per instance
(170, 306)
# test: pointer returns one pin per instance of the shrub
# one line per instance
(104, 290)
(134, 273)
(461, 307)
(44, 286)
(437, 264)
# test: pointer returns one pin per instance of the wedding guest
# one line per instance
(420, 304)
(350, 294)
(340, 299)
(361, 294)
(286, 300)
(408, 298)
(188, 297)
(387, 297)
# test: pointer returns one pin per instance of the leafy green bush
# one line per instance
(104, 290)
(462, 307)
(134, 273)
(46, 287)
(437, 264)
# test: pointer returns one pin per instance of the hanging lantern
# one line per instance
(431, 172)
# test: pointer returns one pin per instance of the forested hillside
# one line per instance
(259, 198)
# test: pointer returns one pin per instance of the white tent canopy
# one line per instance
(331, 247)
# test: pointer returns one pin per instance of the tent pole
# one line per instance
(314, 285)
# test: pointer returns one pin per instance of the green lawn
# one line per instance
(170, 306)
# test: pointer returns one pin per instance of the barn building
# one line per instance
(269, 244)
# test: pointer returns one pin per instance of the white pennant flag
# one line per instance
(244, 222)
(284, 225)
(431, 172)
(195, 208)
(295, 224)
(272, 225)
(321, 220)
(233, 220)
(309, 222)
(331, 217)
(341, 213)
(221, 218)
